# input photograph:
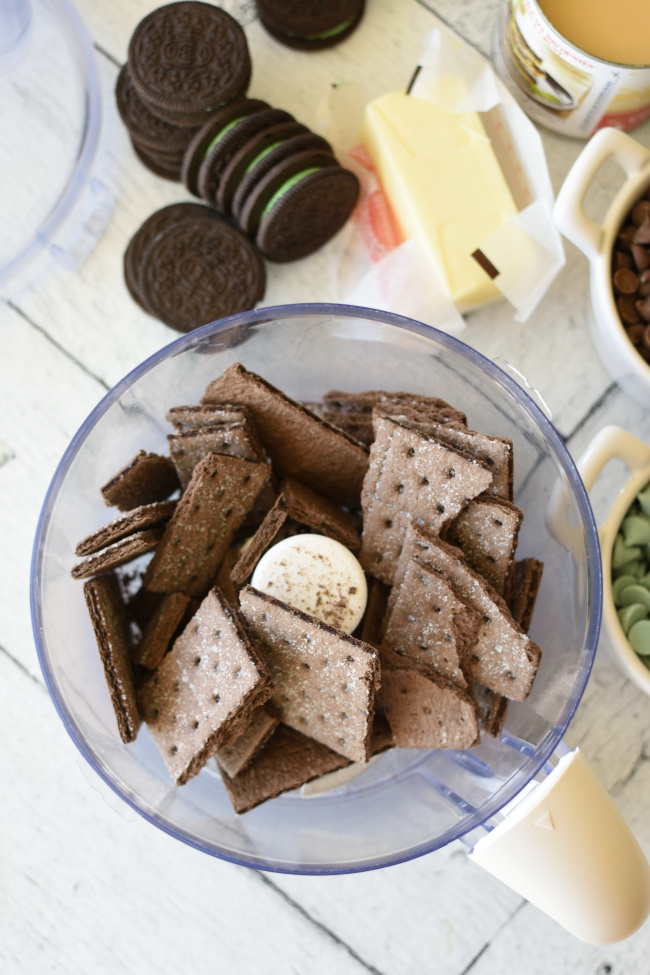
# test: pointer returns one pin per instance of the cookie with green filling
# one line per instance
(310, 25)
(186, 59)
(267, 159)
(216, 126)
(228, 142)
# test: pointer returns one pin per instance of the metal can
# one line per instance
(561, 86)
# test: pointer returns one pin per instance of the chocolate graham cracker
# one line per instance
(337, 401)
(487, 531)
(235, 757)
(145, 479)
(526, 583)
(492, 710)
(108, 618)
(502, 657)
(412, 476)
(300, 444)
(325, 680)
(191, 446)
(160, 629)
(424, 710)
(301, 506)
(309, 508)
(496, 452)
(288, 760)
(205, 690)
(431, 624)
(145, 516)
(119, 553)
(215, 503)
(185, 418)
(267, 534)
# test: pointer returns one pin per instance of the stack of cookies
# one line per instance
(218, 662)
(280, 183)
(185, 60)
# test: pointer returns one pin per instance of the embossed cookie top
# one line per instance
(189, 57)
(200, 269)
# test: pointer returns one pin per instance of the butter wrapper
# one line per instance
(521, 256)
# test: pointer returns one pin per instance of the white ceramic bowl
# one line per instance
(616, 352)
(609, 444)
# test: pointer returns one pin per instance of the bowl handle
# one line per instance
(612, 443)
(569, 212)
(566, 848)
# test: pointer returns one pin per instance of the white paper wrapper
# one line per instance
(378, 269)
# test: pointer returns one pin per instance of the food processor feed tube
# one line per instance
(566, 848)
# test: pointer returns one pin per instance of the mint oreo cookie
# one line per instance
(228, 142)
(310, 25)
(194, 267)
(186, 59)
(216, 126)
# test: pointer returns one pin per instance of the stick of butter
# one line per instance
(444, 185)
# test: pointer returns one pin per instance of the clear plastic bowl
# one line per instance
(408, 802)
(53, 206)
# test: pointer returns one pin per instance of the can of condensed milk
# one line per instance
(576, 66)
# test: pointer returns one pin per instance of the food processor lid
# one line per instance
(566, 848)
(52, 208)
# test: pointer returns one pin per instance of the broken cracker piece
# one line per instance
(145, 479)
(287, 761)
(325, 679)
(301, 444)
(424, 710)
(487, 531)
(411, 477)
(160, 629)
(217, 499)
(431, 624)
(119, 553)
(145, 516)
(205, 689)
(235, 756)
(502, 657)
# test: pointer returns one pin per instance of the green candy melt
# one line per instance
(639, 637)
(644, 500)
(631, 614)
(636, 530)
(635, 568)
(620, 584)
(623, 553)
(635, 594)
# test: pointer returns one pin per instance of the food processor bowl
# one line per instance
(407, 802)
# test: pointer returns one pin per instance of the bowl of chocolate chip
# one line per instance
(317, 589)
(618, 250)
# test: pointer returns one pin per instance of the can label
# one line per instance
(561, 86)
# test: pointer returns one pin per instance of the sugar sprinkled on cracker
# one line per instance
(207, 685)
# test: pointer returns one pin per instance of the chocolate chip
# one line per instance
(640, 211)
(627, 310)
(626, 237)
(635, 333)
(621, 259)
(625, 281)
(641, 256)
(642, 235)
(643, 308)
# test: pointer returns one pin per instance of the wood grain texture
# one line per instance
(89, 889)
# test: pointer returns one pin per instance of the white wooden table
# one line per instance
(86, 888)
